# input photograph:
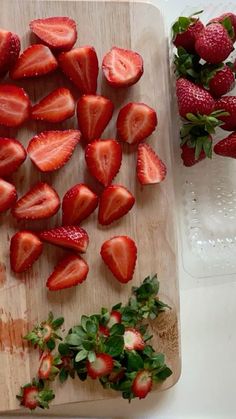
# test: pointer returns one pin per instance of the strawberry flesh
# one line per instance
(14, 105)
(227, 146)
(45, 366)
(58, 106)
(71, 237)
(8, 195)
(25, 249)
(12, 155)
(115, 317)
(103, 365)
(70, 271)
(29, 398)
(142, 384)
(150, 168)
(133, 340)
(9, 50)
(115, 202)
(58, 33)
(78, 203)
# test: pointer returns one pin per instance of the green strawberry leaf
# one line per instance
(134, 361)
(63, 375)
(63, 349)
(117, 329)
(114, 345)
(81, 355)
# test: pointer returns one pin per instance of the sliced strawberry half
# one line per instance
(150, 168)
(78, 203)
(120, 254)
(50, 150)
(41, 201)
(35, 61)
(135, 122)
(58, 106)
(45, 367)
(133, 340)
(9, 50)
(103, 365)
(94, 113)
(14, 105)
(71, 237)
(115, 317)
(70, 271)
(58, 33)
(115, 202)
(142, 384)
(103, 158)
(25, 249)
(8, 195)
(122, 67)
(80, 65)
(12, 155)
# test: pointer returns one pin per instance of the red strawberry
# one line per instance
(193, 99)
(222, 19)
(115, 317)
(58, 33)
(9, 50)
(55, 107)
(188, 155)
(45, 367)
(185, 32)
(103, 365)
(122, 67)
(25, 249)
(30, 397)
(103, 330)
(133, 340)
(115, 202)
(214, 44)
(228, 104)
(35, 61)
(222, 81)
(41, 201)
(12, 155)
(94, 113)
(120, 254)
(150, 168)
(71, 237)
(8, 195)
(50, 150)
(103, 159)
(70, 271)
(81, 66)
(135, 122)
(227, 146)
(142, 384)
(14, 105)
(78, 203)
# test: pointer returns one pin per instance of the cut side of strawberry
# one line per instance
(12, 155)
(135, 122)
(115, 317)
(25, 249)
(80, 65)
(115, 202)
(120, 254)
(71, 237)
(41, 201)
(122, 67)
(94, 113)
(58, 33)
(70, 271)
(103, 365)
(9, 50)
(103, 158)
(142, 384)
(35, 61)
(78, 203)
(45, 366)
(30, 397)
(58, 106)
(14, 105)
(133, 340)
(50, 150)
(8, 195)
(150, 168)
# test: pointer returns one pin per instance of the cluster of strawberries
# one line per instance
(50, 150)
(203, 78)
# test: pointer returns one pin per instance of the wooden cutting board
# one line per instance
(24, 299)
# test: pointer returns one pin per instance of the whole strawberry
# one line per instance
(193, 99)
(228, 20)
(188, 155)
(219, 79)
(185, 32)
(214, 44)
(228, 103)
(227, 146)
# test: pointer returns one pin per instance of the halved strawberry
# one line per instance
(12, 155)
(78, 203)
(115, 317)
(8, 195)
(70, 271)
(35, 395)
(80, 65)
(55, 107)
(103, 158)
(115, 202)
(14, 105)
(58, 33)
(122, 67)
(71, 237)
(45, 367)
(103, 330)
(30, 397)
(133, 340)
(41, 201)
(94, 113)
(120, 254)
(9, 50)
(25, 249)
(103, 365)
(50, 150)
(135, 122)
(35, 61)
(142, 384)
(150, 168)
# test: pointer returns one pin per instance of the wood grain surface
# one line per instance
(24, 299)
